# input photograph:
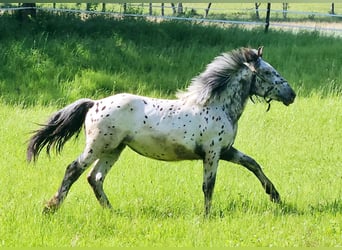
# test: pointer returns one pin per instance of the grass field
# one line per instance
(160, 204)
(235, 11)
(61, 59)
(48, 63)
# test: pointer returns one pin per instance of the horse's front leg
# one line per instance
(210, 164)
(235, 156)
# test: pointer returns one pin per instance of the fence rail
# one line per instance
(190, 13)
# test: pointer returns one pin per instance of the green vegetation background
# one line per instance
(58, 59)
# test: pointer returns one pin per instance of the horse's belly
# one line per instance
(161, 148)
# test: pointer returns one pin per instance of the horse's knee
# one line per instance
(91, 180)
(95, 179)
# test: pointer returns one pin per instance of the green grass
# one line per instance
(161, 204)
(230, 11)
(61, 59)
(52, 61)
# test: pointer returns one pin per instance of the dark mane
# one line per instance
(217, 75)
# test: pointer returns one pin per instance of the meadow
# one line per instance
(52, 61)
(236, 11)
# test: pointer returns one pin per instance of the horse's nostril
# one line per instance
(293, 95)
(291, 98)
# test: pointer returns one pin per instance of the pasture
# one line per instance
(160, 203)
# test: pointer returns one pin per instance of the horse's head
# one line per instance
(267, 82)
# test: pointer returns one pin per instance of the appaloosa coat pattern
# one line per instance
(201, 124)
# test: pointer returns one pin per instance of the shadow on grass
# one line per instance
(63, 57)
(233, 208)
(283, 209)
(332, 207)
(249, 206)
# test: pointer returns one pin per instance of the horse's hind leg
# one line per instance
(98, 174)
(240, 158)
(72, 173)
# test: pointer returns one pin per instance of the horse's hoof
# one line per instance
(275, 198)
(49, 209)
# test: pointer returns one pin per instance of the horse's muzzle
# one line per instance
(288, 97)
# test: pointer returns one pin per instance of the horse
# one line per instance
(200, 124)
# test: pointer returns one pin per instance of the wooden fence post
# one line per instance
(207, 10)
(27, 14)
(180, 8)
(268, 17)
(332, 9)
(257, 15)
(285, 9)
(124, 8)
(173, 8)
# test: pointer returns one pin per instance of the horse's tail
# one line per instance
(60, 128)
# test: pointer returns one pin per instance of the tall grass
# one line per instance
(57, 59)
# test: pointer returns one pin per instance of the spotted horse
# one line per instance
(201, 124)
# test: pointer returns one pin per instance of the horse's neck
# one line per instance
(235, 96)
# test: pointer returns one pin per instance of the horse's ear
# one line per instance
(250, 66)
(260, 51)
